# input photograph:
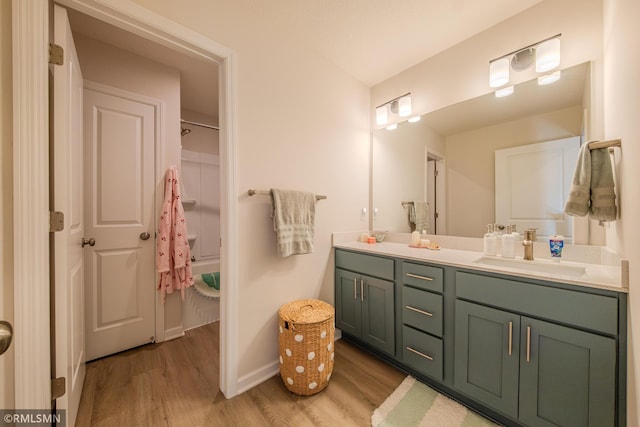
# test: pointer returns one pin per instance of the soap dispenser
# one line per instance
(490, 241)
(509, 243)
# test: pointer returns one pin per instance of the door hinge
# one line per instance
(56, 221)
(436, 172)
(56, 54)
(435, 215)
(58, 387)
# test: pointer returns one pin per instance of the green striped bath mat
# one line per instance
(415, 404)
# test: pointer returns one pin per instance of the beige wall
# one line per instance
(621, 107)
(302, 124)
(471, 164)
(6, 212)
(462, 72)
(106, 64)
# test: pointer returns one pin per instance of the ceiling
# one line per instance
(372, 40)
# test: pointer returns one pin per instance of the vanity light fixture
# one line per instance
(546, 54)
(547, 79)
(382, 115)
(392, 126)
(504, 91)
(414, 119)
(399, 106)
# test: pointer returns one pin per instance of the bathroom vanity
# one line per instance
(524, 347)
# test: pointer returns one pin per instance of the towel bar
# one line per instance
(605, 144)
(252, 192)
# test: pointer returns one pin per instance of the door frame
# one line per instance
(30, 38)
(441, 182)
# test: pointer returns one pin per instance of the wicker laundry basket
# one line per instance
(306, 345)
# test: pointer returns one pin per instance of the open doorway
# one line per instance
(436, 192)
(32, 181)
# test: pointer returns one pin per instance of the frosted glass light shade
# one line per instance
(548, 55)
(404, 106)
(505, 91)
(547, 79)
(382, 115)
(499, 72)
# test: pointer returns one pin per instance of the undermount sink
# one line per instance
(541, 266)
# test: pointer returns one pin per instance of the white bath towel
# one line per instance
(293, 215)
(419, 215)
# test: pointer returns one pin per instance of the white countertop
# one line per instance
(600, 276)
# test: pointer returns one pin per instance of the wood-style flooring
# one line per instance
(175, 383)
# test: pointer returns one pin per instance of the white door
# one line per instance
(67, 188)
(120, 134)
(532, 185)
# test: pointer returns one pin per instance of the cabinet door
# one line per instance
(486, 356)
(348, 305)
(378, 318)
(567, 377)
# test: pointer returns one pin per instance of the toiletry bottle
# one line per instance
(415, 238)
(424, 241)
(490, 241)
(508, 243)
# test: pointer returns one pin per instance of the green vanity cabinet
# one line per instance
(365, 304)
(536, 371)
(523, 351)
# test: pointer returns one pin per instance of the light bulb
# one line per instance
(381, 115)
(548, 55)
(499, 72)
(505, 91)
(547, 79)
(404, 106)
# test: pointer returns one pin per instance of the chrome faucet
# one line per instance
(529, 239)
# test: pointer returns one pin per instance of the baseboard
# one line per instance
(173, 333)
(252, 379)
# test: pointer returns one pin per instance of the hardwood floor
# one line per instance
(175, 383)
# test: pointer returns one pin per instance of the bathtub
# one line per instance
(196, 309)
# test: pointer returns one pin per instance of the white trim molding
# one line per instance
(31, 180)
(30, 36)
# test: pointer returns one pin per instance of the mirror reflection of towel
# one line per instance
(419, 215)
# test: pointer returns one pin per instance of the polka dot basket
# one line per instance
(306, 345)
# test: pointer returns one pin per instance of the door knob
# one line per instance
(90, 242)
(144, 236)
(6, 335)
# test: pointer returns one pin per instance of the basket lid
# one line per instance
(306, 311)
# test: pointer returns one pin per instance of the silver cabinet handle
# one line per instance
(6, 335)
(355, 289)
(417, 310)
(528, 343)
(145, 236)
(90, 242)
(361, 290)
(510, 337)
(419, 353)
(415, 276)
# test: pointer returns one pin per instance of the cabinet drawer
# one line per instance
(422, 276)
(422, 352)
(590, 311)
(422, 310)
(368, 264)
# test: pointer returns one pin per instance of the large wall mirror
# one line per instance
(448, 157)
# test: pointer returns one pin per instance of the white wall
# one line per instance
(302, 124)
(7, 374)
(621, 108)
(106, 64)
